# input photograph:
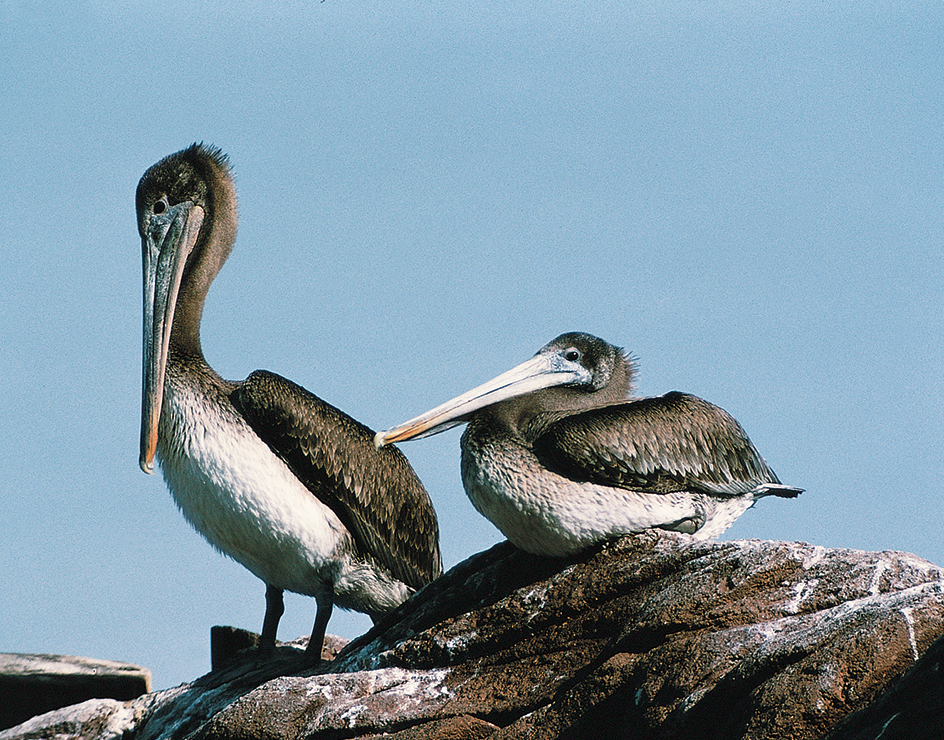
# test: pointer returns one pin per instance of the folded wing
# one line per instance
(375, 493)
(675, 442)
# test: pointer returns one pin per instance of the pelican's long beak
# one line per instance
(544, 370)
(166, 244)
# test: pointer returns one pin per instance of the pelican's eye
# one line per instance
(572, 355)
(160, 206)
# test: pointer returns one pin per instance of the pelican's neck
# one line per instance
(185, 336)
(213, 247)
(527, 417)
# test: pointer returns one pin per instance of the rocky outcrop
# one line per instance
(34, 684)
(654, 636)
(911, 708)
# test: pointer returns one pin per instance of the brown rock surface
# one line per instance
(912, 708)
(654, 636)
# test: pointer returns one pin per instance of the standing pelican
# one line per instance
(269, 474)
(558, 457)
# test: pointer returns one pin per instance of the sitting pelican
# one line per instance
(558, 457)
(271, 475)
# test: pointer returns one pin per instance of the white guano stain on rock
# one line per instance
(880, 567)
(906, 613)
(404, 692)
(801, 592)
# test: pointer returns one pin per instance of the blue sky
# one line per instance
(749, 197)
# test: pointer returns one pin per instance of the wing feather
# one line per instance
(375, 493)
(675, 442)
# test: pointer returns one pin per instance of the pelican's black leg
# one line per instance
(316, 641)
(270, 625)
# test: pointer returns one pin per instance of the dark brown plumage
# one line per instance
(675, 442)
(334, 456)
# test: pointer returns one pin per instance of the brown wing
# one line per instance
(375, 493)
(674, 442)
